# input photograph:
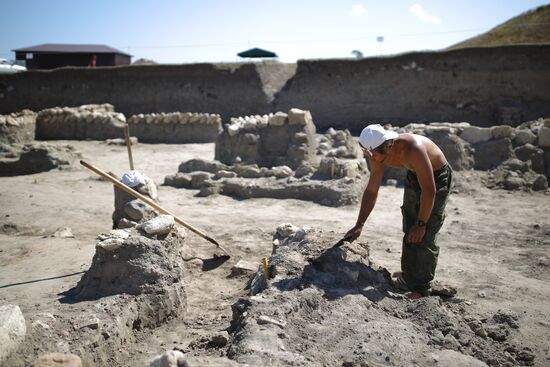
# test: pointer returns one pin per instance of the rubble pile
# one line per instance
(175, 127)
(280, 139)
(340, 144)
(96, 122)
(135, 282)
(35, 157)
(17, 128)
(275, 156)
(333, 306)
(515, 158)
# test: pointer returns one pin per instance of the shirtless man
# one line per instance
(427, 188)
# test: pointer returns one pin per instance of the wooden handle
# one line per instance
(128, 145)
(145, 199)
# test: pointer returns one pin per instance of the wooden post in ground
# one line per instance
(128, 145)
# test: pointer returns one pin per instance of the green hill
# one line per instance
(531, 27)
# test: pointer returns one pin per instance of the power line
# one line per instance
(298, 41)
(235, 43)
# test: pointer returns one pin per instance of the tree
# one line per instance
(358, 54)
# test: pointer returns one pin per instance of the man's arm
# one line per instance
(420, 162)
(368, 200)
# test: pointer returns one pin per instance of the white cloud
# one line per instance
(358, 10)
(421, 14)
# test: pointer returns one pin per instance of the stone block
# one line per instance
(277, 119)
(502, 131)
(544, 136)
(491, 154)
(299, 117)
(524, 136)
(474, 134)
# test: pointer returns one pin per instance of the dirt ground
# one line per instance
(495, 245)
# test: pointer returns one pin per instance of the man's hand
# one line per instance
(416, 234)
(354, 232)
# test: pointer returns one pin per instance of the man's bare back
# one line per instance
(399, 155)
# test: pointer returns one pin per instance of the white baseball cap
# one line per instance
(133, 178)
(375, 135)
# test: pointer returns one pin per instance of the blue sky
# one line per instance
(170, 31)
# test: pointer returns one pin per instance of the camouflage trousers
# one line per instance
(419, 260)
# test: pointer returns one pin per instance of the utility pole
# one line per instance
(380, 39)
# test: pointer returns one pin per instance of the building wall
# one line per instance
(56, 60)
(484, 86)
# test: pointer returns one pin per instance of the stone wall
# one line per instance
(175, 127)
(226, 89)
(485, 86)
(96, 122)
(101, 122)
(17, 127)
(268, 140)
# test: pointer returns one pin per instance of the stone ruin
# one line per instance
(135, 282)
(17, 128)
(96, 122)
(515, 158)
(175, 127)
(334, 306)
(35, 157)
(278, 139)
(102, 122)
(250, 152)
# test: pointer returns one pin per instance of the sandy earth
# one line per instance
(495, 244)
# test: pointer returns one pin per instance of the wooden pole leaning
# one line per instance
(151, 203)
(128, 145)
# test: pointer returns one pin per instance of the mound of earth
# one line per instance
(326, 306)
(135, 283)
(34, 158)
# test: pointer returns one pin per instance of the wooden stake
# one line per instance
(265, 265)
(128, 145)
